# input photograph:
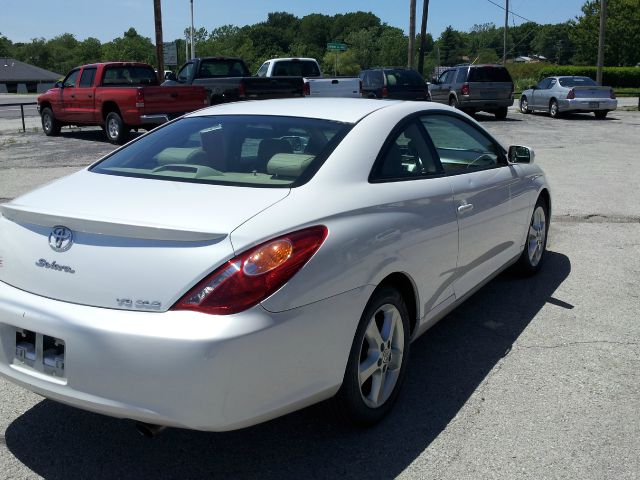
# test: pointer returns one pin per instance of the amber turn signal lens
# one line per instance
(268, 257)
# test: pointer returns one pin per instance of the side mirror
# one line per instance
(170, 76)
(58, 84)
(533, 87)
(520, 154)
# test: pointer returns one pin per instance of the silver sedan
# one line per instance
(558, 95)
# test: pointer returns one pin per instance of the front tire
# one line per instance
(377, 361)
(117, 132)
(50, 125)
(535, 247)
(524, 105)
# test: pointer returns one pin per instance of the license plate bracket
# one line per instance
(594, 104)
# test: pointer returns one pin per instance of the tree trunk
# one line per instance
(157, 15)
(412, 31)
(423, 36)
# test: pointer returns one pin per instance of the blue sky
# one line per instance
(106, 19)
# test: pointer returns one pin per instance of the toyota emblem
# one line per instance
(60, 239)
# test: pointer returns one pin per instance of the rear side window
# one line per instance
(577, 82)
(88, 74)
(461, 147)
(407, 157)
(462, 75)
(243, 150)
(489, 74)
(296, 68)
(218, 68)
(129, 75)
(262, 71)
(403, 78)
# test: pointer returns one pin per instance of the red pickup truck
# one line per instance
(118, 96)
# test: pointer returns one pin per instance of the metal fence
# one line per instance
(21, 105)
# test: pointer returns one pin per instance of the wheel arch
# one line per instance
(407, 289)
(109, 107)
(44, 105)
(544, 194)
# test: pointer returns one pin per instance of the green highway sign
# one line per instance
(337, 47)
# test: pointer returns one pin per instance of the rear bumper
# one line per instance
(182, 368)
(587, 104)
(484, 104)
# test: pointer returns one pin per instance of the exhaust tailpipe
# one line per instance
(149, 430)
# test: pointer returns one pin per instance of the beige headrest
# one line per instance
(288, 164)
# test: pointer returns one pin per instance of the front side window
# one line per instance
(461, 146)
(262, 71)
(71, 79)
(406, 157)
(245, 150)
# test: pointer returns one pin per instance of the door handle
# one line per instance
(467, 207)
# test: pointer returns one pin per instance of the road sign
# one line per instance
(337, 47)
(170, 50)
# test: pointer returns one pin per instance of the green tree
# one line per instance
(622, 33)
(452, 46)
(6, 46)
(522, 36)
(130, 47)
(392, 46)
(89, 51)
(555, 43)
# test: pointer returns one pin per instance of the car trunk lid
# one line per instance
(136, 244)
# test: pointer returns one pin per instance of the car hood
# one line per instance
(133, 239)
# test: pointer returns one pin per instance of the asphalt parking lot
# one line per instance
(531, 378)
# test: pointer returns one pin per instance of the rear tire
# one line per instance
(554, 110)
(453, 102)
(501, 113)
(50, 125)
(377, 361)
(117, 132)
(535, 247)
(601, 114)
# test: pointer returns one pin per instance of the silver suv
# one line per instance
(473, 88)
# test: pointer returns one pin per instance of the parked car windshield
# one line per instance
(399, 77)
(296, 68)
(577, 82)
(244, 150)
(129, 76)
(489, 74)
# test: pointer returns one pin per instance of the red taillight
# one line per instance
(242, 90)
(307, 88)
(612, 95)
(465, 90)
(140, 98)
(252, 276)
(385, 92)
(571, 95)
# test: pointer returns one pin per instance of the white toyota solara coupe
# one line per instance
(253, 258)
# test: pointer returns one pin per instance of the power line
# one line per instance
(511, 12)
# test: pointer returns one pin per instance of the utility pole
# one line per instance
(603, 20)
(506, 27)
(193, 50)
(423, 35)
(157, 16)
(412, 31)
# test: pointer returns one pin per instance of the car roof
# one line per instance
(348, 110)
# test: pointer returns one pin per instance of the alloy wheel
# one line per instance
(381, 355)
(537, 236)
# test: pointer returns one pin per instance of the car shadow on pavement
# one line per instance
(447, 366)
(575, 116)
(487, 117)
(92, 134)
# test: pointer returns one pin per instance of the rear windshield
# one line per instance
(403, 78)
(577, 82)
(244, 150)
(296, 68)
(129, 75)
(489, 74)
(213, 68)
